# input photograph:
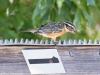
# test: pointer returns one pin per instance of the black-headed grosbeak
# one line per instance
(53, 29)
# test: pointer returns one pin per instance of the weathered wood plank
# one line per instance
(76, 60)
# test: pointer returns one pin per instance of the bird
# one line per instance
(53, 29)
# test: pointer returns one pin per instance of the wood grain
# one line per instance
(78, 60)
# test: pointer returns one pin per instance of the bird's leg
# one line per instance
(54, 40)
(43, 39)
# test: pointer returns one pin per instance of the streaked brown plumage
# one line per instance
(53, 29)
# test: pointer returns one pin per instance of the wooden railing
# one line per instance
(78, 59)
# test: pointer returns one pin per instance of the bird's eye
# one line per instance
(71, 28)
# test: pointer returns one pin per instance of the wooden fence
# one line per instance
(77, 59)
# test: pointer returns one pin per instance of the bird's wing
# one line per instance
(52, 27)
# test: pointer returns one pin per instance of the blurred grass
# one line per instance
(28, 14)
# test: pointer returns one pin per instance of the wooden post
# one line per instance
(77, 60)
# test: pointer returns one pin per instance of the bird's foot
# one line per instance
(55, 42)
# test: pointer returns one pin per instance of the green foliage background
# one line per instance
(28, 14)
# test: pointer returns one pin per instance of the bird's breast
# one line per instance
(54, 35)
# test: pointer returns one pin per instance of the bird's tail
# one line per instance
(30, 30)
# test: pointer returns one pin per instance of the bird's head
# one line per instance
(69, 27)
